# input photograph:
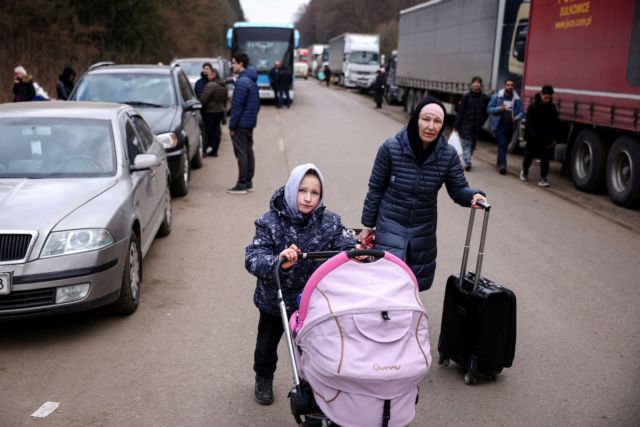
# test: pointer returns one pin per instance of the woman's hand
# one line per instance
(474, 200)
(366, 238)
(291, 256)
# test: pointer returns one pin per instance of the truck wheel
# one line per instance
(588, 161)
(623, 172)
(408, 104)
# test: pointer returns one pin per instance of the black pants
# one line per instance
(212, 130)
(243, 149)
(545, 156)
(377, 96)
(265, 357)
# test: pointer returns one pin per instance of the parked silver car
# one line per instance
(84, 189)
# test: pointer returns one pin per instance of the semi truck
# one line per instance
(354, 59)
(442, 44)
(589, 51)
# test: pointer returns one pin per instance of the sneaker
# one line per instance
(250, 187)
(543, 182)
(208, 151)
(503, 170)
(264, 390)
(523, 176)
(467, 167)
(237, 189)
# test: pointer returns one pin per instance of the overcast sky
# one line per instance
(270, 11)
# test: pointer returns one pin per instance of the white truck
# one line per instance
(316, 51)
(354, 59)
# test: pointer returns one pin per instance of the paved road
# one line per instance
(184, 358)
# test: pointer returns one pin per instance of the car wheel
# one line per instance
(129, 297)
(180, 184)
(588, 161)
(623, 172)
(196, 162)
(165, 227)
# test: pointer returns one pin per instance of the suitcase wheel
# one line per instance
(469, 379)
(443, 361)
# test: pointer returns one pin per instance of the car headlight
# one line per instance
(75, 241)
(169, 139)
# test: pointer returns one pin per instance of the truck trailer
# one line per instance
(354, 59)
(442, 44)
(589, 51)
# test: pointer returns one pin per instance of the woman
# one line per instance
(214, 104)
(402, 200)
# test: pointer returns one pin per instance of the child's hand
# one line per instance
(291, 255)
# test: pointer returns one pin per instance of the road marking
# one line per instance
(281, 144)
(46, 409)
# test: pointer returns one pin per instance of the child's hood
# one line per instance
(293, 184)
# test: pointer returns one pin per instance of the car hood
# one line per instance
(160, 120)
(39, 204)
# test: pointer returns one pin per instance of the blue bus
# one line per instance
(265, 44)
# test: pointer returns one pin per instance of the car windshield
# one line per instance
(48, 147)
(140, 90)
(363, 58)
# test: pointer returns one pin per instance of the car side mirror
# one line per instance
(192, 104)
(145, 161)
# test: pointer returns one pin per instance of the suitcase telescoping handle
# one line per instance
(465, 254)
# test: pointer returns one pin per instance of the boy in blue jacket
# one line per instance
(297, 221)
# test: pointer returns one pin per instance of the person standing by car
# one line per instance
(297, 220)
(64, 86)
(245, 106)
(402, 201)
(542, 122)
(506, 111)
(471, 116)
(23, 89)
(214, 102)
(203, 80)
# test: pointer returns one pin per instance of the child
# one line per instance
(297, 221)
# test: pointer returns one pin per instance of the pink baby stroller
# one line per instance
(360, 343)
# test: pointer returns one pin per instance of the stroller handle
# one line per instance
(323, 255)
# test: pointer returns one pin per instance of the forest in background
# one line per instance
(44, 36)
(320, 20)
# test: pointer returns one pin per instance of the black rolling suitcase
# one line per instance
(478, 329)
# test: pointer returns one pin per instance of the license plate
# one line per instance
(5, 283)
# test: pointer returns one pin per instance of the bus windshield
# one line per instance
(264, 46)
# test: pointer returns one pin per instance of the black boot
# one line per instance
(264, 390)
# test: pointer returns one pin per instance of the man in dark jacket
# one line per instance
(245, 106)
(471, 116)
(214, 104)
(65, 83)
(378, 87)
(23, 89)
(284, 84)
(542, 122)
